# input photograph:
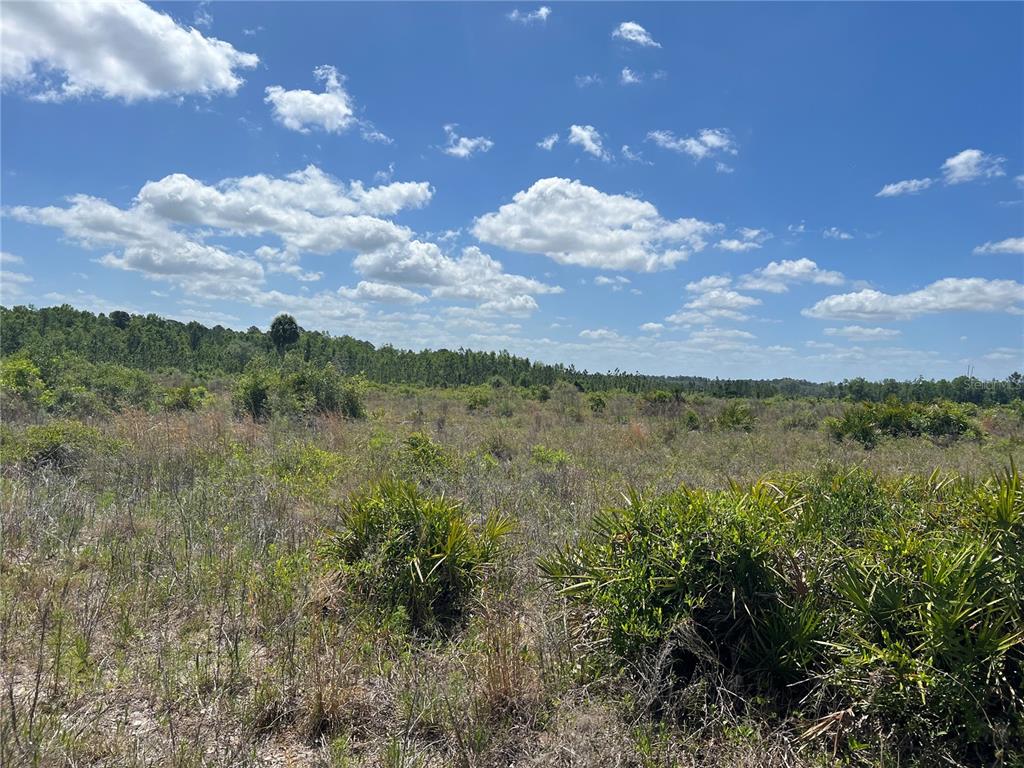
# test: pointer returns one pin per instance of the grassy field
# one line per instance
(191, 588)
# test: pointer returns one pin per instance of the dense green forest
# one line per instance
(152, 343)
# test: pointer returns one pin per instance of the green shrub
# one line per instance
(898, 601)
(398, 549)
(185, 398)
(297, 389)
(691, 420)
(60, 444)
(251, 395)
(736, 415)
(596, 402)
(549, 457)
(19, 377)
(425, 458)
(540, 393)
(305, 388)
(477, 399)
(867, 423)
(690, 558)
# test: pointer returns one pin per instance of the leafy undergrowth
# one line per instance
(888, 615)
(867, 423)
(398, 550)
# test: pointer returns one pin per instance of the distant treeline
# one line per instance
(153, 343)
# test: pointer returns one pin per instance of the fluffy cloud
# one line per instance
(588, 138)
(164, 234)
(541, 15)
(952, 294)
(971, 164)
(707, 143)
(463, 146)
(573, 223)
(861, 333)
(148, 245)
(713, 299)
(777, 275)
(584, 81)
(331, 111)
(382, 292)
(908, 187)
(632, 32)
(1009, 245)
(123, 50)
(962, 167)
(473, 276)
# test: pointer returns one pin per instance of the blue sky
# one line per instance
(812, 190)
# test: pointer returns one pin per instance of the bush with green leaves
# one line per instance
(477, 398)
(185, 398)
(899, 602)
(554, 458)
(297, 389)
(61, 444)
(400, 550)
(423, 458)
(19, 378)
(691, 420)
(736, 415)
(867, 423)
(251, 393)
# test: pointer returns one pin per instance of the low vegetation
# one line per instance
(866, 607)
(287, 563)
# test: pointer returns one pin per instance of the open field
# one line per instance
(170, 595)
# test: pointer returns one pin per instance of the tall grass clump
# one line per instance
(398, 550)
(888, 614)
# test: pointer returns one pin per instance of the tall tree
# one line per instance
(284, 332)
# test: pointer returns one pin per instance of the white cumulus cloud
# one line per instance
(951, 294)
(301, 110)
(573, 223)
(588, 139)
(707, 143)
(123, 50)
(165, 234)
(463, 146)
(1009, 245)
(529, 17)
(778, 275)
(631, 32)
(971, 164)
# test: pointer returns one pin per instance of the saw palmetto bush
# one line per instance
(398, 549)
(890, 612)
(867, 423)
